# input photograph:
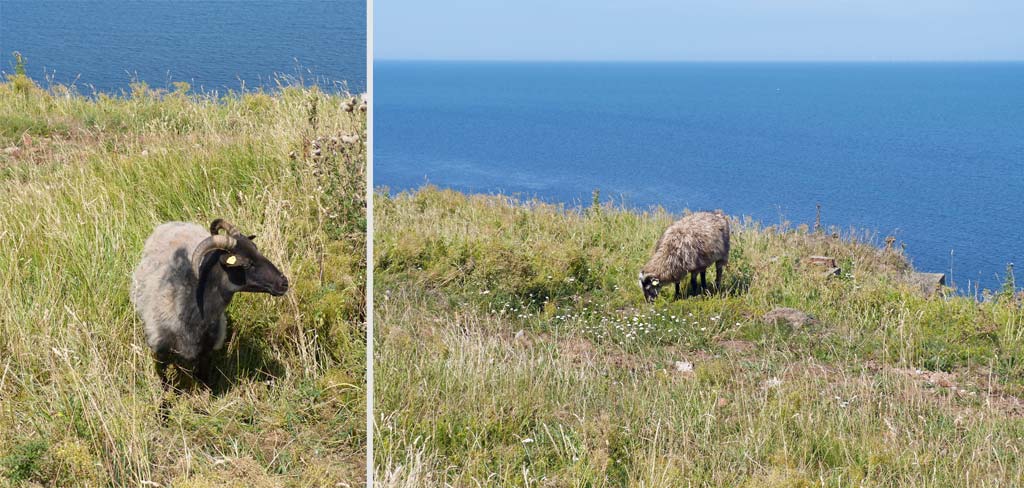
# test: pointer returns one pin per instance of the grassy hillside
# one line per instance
(514, 348)
(83, 181)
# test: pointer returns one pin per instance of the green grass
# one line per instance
(86, 182)
(514, 348)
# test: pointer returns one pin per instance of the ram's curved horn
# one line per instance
(219, 224)
(209, 245)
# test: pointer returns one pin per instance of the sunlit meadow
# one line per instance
(514, 347)
(83, 181)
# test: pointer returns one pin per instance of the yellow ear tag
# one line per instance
(231, 260)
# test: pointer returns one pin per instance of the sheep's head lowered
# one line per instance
(651, 287)
(241, 266)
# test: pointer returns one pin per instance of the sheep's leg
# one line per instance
(161, 363)
(693, 284)
(161, 372)
(203, 370)
(719, 266)
(703, 280)
(678, 294)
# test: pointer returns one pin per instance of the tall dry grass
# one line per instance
(514, 347)
(83, 181)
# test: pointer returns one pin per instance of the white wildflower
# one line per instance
(684, 366)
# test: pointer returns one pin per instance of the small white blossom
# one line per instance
(683, 366)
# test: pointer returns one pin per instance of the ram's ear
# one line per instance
(252, 237)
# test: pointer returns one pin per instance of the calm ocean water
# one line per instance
(931, 153)
(212, 44)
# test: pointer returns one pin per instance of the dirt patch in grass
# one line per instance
(737, 346)
(964, 385)
(582, 351)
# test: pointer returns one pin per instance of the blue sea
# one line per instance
(215, 45)
(932, 153)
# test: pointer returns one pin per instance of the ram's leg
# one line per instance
(204, 370)
(693, 284)
(678, 293)
(160, 363)
(719, 266)
(703, 280)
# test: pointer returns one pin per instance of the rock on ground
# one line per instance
(928, 283)
(791, 316)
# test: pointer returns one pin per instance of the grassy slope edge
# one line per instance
(83, 181)
(514, 348)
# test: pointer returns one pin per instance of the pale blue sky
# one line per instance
(726, 30)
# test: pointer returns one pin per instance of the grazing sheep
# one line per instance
(689, 245)
(183, 284)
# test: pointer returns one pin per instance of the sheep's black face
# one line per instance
(651, 287)
(250, 271)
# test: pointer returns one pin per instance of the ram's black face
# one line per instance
(250, 271)
(651, 287)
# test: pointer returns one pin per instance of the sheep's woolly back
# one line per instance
(163, 290)
(690, 244)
